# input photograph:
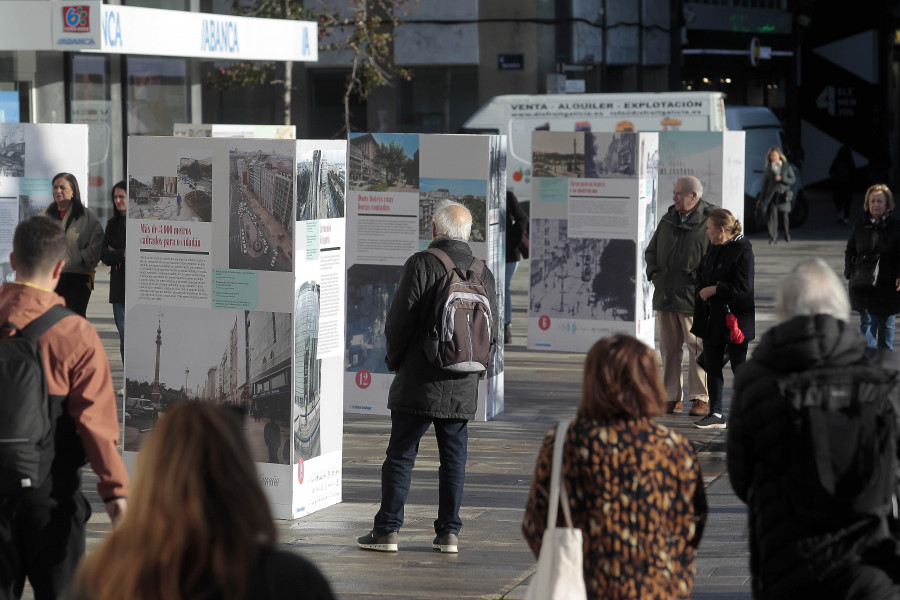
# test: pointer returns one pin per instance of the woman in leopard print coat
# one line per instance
(634, 485)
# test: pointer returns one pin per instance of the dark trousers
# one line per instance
(42, 539)
(76, 288)
(396, 472)
(714, 361)
(774, 217)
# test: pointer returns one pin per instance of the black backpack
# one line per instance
(26, 427)
(843, 451)
(459, 330)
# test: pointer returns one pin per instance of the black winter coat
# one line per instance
(516, 226)
(419, 387)
(114, 237)
(729, 267)
(866, 239)
(784, 545)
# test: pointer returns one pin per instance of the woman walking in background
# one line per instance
(872, 267)
(634, 486)
(84, 238)
(113, 255)
(724, 296)
(198, 523)
(516, 229)
(775, 196)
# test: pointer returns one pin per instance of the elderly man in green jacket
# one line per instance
(673, 257)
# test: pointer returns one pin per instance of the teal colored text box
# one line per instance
(235, 289)
(35, 186)
(553, 189)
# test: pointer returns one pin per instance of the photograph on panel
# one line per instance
(321, 178)
(370, 290)
(12, 151)
(471, 193)
(261, 209)
(580, 278)
(307, 372)
(384, 162)
(609, 155)
(558, 154)
(235, 358)
(157, 197)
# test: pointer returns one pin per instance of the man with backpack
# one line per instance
(812, 449)
(440, 330)
(48, 434)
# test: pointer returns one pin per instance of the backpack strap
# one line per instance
(34, 330)
(476, 267)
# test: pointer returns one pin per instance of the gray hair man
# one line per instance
(673, 256)
(422, 394)
(819, 518)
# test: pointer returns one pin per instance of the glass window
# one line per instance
(90, 103)
(438, 100)
(157, 95)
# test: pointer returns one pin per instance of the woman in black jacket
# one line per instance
(872, 266)
(516, 228)
(724, 288)
(113, 255)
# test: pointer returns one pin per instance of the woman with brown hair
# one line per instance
(634, 486)
(198, 524)
(776, 196)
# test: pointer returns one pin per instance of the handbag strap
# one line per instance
(558, 493)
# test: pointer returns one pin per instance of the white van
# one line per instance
(763, 130)
(516, 116)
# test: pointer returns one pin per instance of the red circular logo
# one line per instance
(363, 379)
(300, 470)
(517, 176)
(544, 322)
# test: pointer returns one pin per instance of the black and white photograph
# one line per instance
(610, 155)
(261, 209)
(471, 193)
(12, 151)
(580, 278)
(31, 206)
(307, 426)
(321, 180)
(558, 154)
(384, 162)
(370, 290)
(158, 197)
(230, 357)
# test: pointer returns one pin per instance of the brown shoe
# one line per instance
(699, 408)
(672, 406)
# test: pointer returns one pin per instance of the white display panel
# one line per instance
(30, 155)
(216, 263)
(395, 183)
(281, 132)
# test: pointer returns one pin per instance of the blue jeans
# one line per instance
(396, 472)
(713, 359)
(878, 329)
(119, 317)
(510, 271)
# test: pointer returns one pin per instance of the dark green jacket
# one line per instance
(673, 257)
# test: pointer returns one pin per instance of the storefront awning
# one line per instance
(90, 25)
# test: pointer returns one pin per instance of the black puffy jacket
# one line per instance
(419, 387)
(758, 450)
(882, 238)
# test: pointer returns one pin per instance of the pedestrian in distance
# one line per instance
(776, 197)
(84, 241)
(841, 171)
(812, 449)
(634, 487)
(113, 255)
(272, 437)
(872, 267)
(42, 525)
(673, 257)
(423, 394)
(516, 230)
(724, 311)
(199, 525)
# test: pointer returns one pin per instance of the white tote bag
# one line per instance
(559, 574)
